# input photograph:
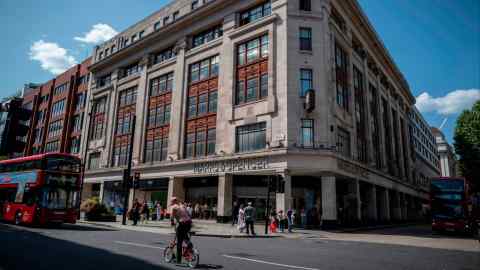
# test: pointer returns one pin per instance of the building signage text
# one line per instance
(231, 165)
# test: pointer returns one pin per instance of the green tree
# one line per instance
(467, 144)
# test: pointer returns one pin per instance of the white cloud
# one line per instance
(452, 103)
(99, 33)
(52, 57)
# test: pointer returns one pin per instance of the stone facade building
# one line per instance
(446, 154)
(227, 94)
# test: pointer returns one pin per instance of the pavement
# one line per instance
(206, 228)
(86, 246)
(400, 234)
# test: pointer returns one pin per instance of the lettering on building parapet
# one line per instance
(352, 168)
(231, 165)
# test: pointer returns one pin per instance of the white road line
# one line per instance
(271, 263)
(137, 245)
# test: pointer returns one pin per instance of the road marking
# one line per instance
(271, 263)
(137, 245)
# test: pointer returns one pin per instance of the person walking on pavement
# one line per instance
(250, 218)
(241, 218)
(158, 210)
(184, 224)
(235, 212)
(135, 212)
(144, 213)
(290, 218)
(281, 220)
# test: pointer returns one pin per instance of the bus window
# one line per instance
(7, 195)
(63, 165)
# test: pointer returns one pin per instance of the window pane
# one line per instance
(264, 86)
(252, 89)
(212, 101)
(202, 104)
(204, 69)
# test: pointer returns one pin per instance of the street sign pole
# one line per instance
(127, 173)
(267, 210)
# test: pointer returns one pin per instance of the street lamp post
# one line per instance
(267, 210)
(127, 174)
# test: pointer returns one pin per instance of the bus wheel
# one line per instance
(18, 218)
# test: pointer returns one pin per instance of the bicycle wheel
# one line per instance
(168, 254)
(194, 260)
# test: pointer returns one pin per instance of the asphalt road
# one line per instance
(87, 247)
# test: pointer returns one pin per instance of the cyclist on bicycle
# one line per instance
(184, 224)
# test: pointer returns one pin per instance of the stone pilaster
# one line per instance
(224, 198)
(175, 189)
(329, 202)
(179, 94)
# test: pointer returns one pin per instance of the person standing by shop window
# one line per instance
(135, 212)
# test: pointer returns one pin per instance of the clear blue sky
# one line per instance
(435, 43)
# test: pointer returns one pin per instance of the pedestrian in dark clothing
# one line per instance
(235, 211)
(290, 218)
(135, 212)
(250, 214)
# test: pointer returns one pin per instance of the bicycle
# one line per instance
(189, 253)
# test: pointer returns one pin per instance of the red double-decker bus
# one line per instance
(449, 205)
(40, 189)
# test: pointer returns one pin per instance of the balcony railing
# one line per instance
(316, 146)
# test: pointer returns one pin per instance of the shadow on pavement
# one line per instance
(422, 231)
(22, 249)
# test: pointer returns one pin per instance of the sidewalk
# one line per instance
(209, 228)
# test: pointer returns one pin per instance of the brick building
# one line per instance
(58, 111)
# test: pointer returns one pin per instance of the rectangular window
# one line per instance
(52, 147)
(104, 80)
(75, 145)
(166, 20)
(131, 70)
(251, 137)
(94, 161)
(343, 142)
(212, 102)
(161, 85)
(98, 119)
(80, 100)
(252, 72)
(156, 26)
(205, 69)
(305, 5)
(306, 81)
(175, 15)
(55, 129)
(164, 55)
(305, 39)
(341, 71)
(360, 115)
(306, 133)
(58, 108)
(77, 123)
(255, 13)
(207, 36)
(200, 143)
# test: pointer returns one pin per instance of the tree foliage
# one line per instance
(467, 144)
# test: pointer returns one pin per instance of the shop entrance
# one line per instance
(201, 194)
(253, 188)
